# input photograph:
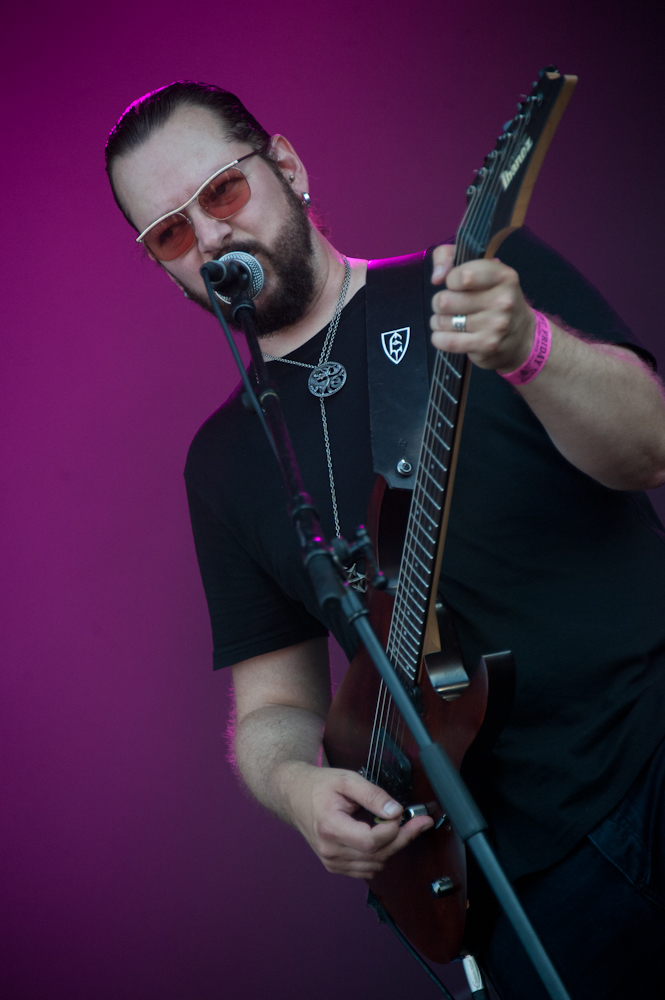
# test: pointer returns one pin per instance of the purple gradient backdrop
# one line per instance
(135, 867)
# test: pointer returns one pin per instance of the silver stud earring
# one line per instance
(292, 177)
(184, 292)
(306, 199)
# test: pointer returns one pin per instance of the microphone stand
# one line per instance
(327, 577)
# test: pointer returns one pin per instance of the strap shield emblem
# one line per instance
(395, 343)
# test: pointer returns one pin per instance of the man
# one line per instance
(538, 558)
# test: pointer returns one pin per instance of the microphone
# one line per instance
(235, 272)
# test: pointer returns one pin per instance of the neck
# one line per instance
(329, 276)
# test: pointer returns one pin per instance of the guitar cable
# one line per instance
(385, 918)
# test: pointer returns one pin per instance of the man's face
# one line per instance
(166, 170)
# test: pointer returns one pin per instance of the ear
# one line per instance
(289, 163)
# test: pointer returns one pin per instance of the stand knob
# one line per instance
(442, 887)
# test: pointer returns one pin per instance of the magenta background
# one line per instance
(134, 866)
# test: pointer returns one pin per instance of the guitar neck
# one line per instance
(428, 516)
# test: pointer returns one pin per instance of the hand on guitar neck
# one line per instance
(598, 402)
(499, 323)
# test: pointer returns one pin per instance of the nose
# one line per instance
(210, 234)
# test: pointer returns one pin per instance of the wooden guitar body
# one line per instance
(434, 925)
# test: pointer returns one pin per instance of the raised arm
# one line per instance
(281, 703)
(599, 403)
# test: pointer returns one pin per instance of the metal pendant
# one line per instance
(356, 580)
(326, 379)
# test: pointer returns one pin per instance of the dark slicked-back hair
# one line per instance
(153, 110)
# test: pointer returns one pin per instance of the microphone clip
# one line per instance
(233, 277)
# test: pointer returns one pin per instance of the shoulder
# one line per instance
(220, 433)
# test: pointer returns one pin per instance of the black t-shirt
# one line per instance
(539, 558)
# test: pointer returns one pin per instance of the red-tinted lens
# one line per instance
(170, 238)
(225, 195)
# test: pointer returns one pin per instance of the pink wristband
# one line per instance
(540, 352)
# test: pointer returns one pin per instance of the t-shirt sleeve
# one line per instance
(552, 285)
(249, 613)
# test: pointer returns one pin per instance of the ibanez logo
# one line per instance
(507, 175)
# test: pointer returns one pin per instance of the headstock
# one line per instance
(498, 198)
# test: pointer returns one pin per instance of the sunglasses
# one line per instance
(220, 197)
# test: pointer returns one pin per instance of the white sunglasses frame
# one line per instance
(181, 209)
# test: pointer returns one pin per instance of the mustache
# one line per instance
(252, 247)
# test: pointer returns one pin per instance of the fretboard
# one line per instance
(419, 555)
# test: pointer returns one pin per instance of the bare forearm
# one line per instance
(282, 699)
(603, 410)
(275, 746)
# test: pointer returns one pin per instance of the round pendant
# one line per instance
(326, 379)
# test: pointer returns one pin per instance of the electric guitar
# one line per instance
(423, 887)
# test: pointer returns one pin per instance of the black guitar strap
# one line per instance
(398, 297)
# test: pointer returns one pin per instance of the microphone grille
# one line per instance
(255, 270)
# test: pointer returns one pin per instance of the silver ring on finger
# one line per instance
(459, 323)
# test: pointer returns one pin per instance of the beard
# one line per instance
(291, 261)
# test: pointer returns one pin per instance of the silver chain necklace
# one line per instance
(328, 377)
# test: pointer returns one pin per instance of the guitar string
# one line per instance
(407, 658)
(477, 221)
(474, 219)
(385, 706)
(480, 224)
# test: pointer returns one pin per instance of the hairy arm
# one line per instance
(599, 403)
(282, 699)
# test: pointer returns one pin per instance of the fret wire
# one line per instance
(433, 406)
(427, 567)
(430, 450)
(414, 540)
(423, 511)
(420, 608)
(417, 590)
(413, 633)
(421, 528)
(438, 461)
(407, 637)
(449, 365)
(424, 503)
(406, 634)
(408, 668)
(433, 454)
(411, 615)
(437, 436)
(429, 475)
(417, 531)
(404, 659)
